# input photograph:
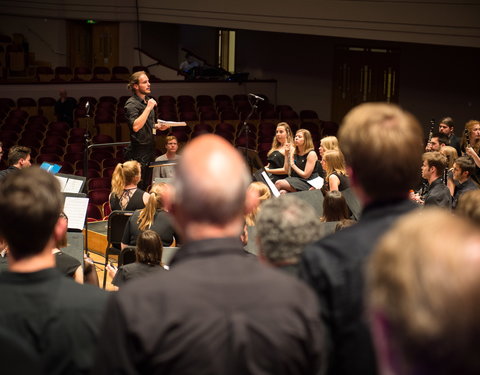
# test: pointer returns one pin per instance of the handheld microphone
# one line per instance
(256, 97)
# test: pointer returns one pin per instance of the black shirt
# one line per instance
(55, 315)
(438, 195)
(133, 271)
(66, 264)
(162, 224)
(6, 172)
(216, 312)
(463, 188)
(334, 267)
(134, 107)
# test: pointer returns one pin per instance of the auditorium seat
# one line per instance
(120, 74)
(46, 107)
(44, 73)
(72, 157)
(82, 73)
(101, 73)
(49, 158)
(28, 105)
(92, 173)
(94, 213)
(99, 183)
(63, 73)
(59, 125)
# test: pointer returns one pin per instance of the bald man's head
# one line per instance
(211, 181)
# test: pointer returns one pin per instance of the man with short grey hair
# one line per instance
(217, 311)
(284, 227)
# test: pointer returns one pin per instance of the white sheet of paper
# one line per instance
(63, 182)
(270, 184)
(73, 186)
(76, 210)
(316, 182)
(172, 123)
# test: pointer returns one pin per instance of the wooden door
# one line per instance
(91, 45)
(105, 44)
(363, 75)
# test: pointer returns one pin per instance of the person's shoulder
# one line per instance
(78, 295)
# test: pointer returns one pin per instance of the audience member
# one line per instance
(463, 168)
(284, 226)
(18, 158)
(336, 178)
(433, 168)
(148, 254)
(437, 142)
(65, 263)
(153, 217)
(471, 140)
(56, 316)
(445, 127)
(451, 155)
(344, 224)
(276, 156)
(302, 164)
(329, 143)
(263, 193)
(218, 310)
(167, 171)
(1, 150)
(423, 296)
(64, 107)
(140, 114)
(125, 193)
(334, 207)
(469, 206)
(377, 139)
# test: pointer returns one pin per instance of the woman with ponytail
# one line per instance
(125, 195)
(153, 217)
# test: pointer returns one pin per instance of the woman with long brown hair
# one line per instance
(336, 175)
(148, 254)
(153, 217)
(125, 193)
(301, 161)
(276, 156)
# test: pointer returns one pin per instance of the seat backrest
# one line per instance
(127, 256)
(116, 225)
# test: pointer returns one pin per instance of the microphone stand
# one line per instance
(87, 141)
(246, 128)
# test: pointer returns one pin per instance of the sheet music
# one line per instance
(63, 182)
(76, 210)
(172, 123)
(73, 186)
(316, 182)
(270, 184)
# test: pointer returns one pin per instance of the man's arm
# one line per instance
(142, 119)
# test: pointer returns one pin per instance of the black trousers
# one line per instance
(144, 154)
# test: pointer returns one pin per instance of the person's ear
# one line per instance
(60, 229)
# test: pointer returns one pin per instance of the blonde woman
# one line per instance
(153, 217)
(276, 156)
(125, 193)
(336, 175)
(301, 160)
(263, 194)
(329, 143)
(451, 155)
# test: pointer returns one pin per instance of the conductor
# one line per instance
(140, 114)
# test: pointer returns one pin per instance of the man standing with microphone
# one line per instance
(140, 114)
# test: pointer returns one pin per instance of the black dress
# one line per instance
(344, 181)
(276, 160)
(134, 203)
(297, 182)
